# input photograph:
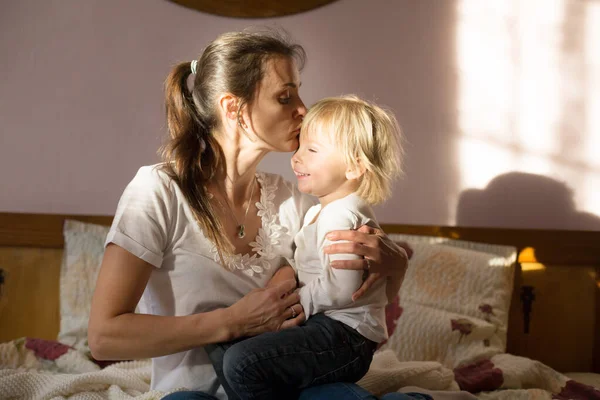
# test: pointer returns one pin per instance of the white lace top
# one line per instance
(154, 222)
(266, 245)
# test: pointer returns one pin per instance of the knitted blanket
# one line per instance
(503, 376)
(34, 369)
(39, 370)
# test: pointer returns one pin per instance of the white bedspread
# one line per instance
(33, 369)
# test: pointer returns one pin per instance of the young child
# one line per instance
(348, 156)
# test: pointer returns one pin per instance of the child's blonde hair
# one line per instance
(367, 136)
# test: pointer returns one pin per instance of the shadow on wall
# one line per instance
(522, 200)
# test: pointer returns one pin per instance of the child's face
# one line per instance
(320, 169)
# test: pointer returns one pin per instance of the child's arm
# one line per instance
(334, 288)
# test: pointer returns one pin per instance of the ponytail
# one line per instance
(192, 156)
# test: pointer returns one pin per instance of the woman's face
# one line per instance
(276, 113)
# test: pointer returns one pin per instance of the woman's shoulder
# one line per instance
(150, 182)
(153, 174)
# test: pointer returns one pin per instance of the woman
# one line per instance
(198, 241)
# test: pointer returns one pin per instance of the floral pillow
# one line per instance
(454, 302)
(83, 251)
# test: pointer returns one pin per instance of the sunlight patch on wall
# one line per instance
(529, 79)
(592, 51)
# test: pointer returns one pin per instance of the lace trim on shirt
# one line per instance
(266, 240)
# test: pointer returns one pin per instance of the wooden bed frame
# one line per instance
(562, 268)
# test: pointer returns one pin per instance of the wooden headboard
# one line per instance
(560, 268)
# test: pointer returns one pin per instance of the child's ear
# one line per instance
(356, 171)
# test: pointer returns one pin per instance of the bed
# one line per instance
(527, 328)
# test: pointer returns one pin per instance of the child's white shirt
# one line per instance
(329, 290)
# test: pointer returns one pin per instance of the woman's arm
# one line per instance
(382, 257)
(116, 332)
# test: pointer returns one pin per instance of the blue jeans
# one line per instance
(335, 391)
(189, 395)
(278, 365)
(351, 391)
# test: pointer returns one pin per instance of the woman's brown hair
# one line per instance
(233, 63)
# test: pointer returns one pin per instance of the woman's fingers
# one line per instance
(351, 248)
(371, 279)
(293, 311)
(409, 251)
(357, 264)
(283, 288)
(369, 230)
(295, 321)
(357, 236)
(291, 299)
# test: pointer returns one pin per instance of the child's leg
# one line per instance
(189, 395)
(337, 391)
(351, 391)
(406, 396)
(273, 365)
(216, 352)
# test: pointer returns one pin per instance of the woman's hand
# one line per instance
(382, 257)
(284, 273)
(266, 310)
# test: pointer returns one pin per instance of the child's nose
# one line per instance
(296, 157)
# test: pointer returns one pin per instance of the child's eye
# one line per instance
(312, 150)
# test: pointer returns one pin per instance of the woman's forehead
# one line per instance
(281, 72)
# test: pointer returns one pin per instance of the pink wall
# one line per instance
(81, 102)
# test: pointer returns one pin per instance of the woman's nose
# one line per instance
(301, 109)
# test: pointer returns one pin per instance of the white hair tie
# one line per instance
(194, 66)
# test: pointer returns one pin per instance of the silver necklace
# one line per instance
(241, 227)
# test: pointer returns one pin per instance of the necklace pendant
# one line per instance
(241, 231)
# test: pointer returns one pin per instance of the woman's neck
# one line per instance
(241, 162)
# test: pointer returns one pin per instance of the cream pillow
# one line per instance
(454, 301)
(83, 251)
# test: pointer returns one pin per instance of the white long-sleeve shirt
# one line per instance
(329, 290)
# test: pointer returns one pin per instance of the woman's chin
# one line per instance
(288, 147)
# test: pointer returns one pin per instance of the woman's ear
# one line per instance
(356, 171)
(228, 107)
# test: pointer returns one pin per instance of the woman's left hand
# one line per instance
(382, 257)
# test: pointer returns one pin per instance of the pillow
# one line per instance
(83, 251)
(454, 302)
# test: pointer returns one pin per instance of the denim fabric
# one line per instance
(189, 395)
(351, 391)
(216, 354)
(331, 391)
(272, 365)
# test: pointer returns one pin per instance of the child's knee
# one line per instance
(234, 362)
